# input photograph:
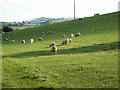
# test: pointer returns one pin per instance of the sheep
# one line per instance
(49, 32)
(70, 40)
(54, 49)
(72, 35)
(63, 36)
(31, 41)
(40, 39)
(13, 41)
(6, 39)
(52, 44)
(77, 34)
(42, 32)
(23, 41)
(3, 32)
(66, 41)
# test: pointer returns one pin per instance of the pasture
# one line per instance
(90, 61)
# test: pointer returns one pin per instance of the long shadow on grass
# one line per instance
(86, 49)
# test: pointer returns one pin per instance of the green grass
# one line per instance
(22, 27)
(90, 61)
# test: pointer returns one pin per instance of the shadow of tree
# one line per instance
(86, 49)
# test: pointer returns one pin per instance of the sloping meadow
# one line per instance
(90, 61)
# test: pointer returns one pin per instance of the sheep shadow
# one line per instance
(93, 48)
(86, 49)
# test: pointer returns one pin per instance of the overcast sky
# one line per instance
(21, 10)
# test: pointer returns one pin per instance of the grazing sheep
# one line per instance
(54, 49)
(52, 44)
(6, 39)
(72, 35)
(66, 41)
(23, 41)
(3, 32)
(70, 40)
(63, 36)
(13, 41)
(42, 32)
(31, 41)
(49, 32)
(77, 34)
(40, 39)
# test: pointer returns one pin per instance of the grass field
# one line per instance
(90, 61)
(23, 27)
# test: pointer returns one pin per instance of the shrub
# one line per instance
(6, 29)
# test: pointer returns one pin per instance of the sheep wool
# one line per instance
(63, 36)
(40, 39)
(54, 49)
(72, 35)
(31, 41)
(6, 39)
(70, 40)
(52, 44)
(23, 41)
(77, 34)
(66, 41)
(49, 32)
(13, 41)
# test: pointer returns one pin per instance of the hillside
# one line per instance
(33, 23)
(88, 26)
(45, 20)
(90, 61)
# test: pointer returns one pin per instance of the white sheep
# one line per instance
(52, 44)
(54, 49)
(72, 35)
(77, 34)
(70, 40)
(63, 36)
(31, 41)
(42, 32)
(6, 39)
(66, 41)
(13, 41)
(23, 41)
(3, 32)
(40, 39)
(49, 32)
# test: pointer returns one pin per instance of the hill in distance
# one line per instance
(88, 26)
(45, 20)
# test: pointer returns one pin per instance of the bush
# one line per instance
(6, 29)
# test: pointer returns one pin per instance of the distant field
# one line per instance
(90, 61)
(20, 27)
(23, 27)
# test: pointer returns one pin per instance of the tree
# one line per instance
(6, 29)
(23, 22)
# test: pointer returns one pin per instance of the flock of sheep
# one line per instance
(54, 48)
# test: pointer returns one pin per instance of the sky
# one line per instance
(22, 10)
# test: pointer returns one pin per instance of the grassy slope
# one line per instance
(81, 64)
